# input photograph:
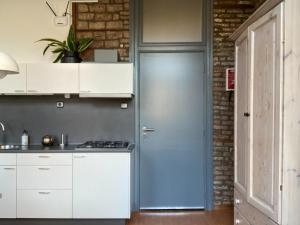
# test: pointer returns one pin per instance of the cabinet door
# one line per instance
(266, 113)
(241, 119)
(106, 80)
(52, 78)
(14, 84)
(101, 185)
(8, 192)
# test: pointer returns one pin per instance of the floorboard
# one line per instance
(223, 216)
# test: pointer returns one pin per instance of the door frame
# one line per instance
(207, 47)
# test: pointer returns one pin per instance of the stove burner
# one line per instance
(104, 144)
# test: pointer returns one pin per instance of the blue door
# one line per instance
(172, 126)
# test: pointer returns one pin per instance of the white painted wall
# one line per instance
(22, 22)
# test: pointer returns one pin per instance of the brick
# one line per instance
(97, 25)
(86, 16)
(112, 44)
(82, 8)
(113, 35)
(103, 17)
(114, 8)
(114, 25)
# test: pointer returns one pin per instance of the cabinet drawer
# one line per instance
(7, 159)
(44, 204)
(40, 159)
(239, 219)
(44, 177)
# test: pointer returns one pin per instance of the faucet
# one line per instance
(2, 126)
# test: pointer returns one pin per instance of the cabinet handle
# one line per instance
(44, 168)
(44, 156)
(9, 168)
(19, 91)
(85, 91)
(44, 192)
(33, 91)
(237, 221)
(79, 156)
(246, 114)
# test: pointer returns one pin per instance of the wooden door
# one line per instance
(265, 69)
(241, 116)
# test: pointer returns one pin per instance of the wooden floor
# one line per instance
(222, 216)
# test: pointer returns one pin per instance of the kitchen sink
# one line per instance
(9, 147)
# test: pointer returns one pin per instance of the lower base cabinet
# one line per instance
(8, 191)
(65, 186)
(101, 185)
(44, 204)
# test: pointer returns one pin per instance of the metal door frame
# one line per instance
(206, 46)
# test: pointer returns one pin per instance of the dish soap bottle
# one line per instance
(25, 138)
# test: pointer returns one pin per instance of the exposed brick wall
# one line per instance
(228, 16)
(107, 22)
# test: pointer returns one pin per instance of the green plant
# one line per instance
(72, 44)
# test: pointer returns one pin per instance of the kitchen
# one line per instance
(121, 126)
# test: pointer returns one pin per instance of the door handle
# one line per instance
(146, 129)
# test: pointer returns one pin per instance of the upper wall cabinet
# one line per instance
(14, 84)
(52, 78)
(106, 80)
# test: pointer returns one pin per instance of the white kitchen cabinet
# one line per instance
(44, 185)
(106, 80)
(15, 84)
(56, 204)
(8, 191)
(8, 177)
(101, 185)
(270, 192)
(52, 78)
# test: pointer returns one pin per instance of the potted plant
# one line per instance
(68, 51)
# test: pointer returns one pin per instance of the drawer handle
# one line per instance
(44, 168)
(19, 91)
(44, 192)
(237, 221)
(7, 168)
(84, 91)
(79, 156)
(44, 156)
(238, 201)
(33, 91)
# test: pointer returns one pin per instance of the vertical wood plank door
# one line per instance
(241, 119)
(265, 114)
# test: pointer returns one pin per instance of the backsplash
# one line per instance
(81, 119)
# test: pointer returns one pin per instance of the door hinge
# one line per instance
(281, 187)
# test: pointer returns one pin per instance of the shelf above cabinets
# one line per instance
(106, 80)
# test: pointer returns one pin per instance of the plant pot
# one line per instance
(71, 57)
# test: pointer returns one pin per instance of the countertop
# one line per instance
(65, 149)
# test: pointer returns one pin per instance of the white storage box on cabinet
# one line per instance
(106, 80)
(101, 185)
(15, 84)
(8, 184)
(52, 78)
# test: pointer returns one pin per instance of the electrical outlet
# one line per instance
(59, 104)
(124, 105)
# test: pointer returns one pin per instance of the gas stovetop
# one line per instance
(103, 145)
